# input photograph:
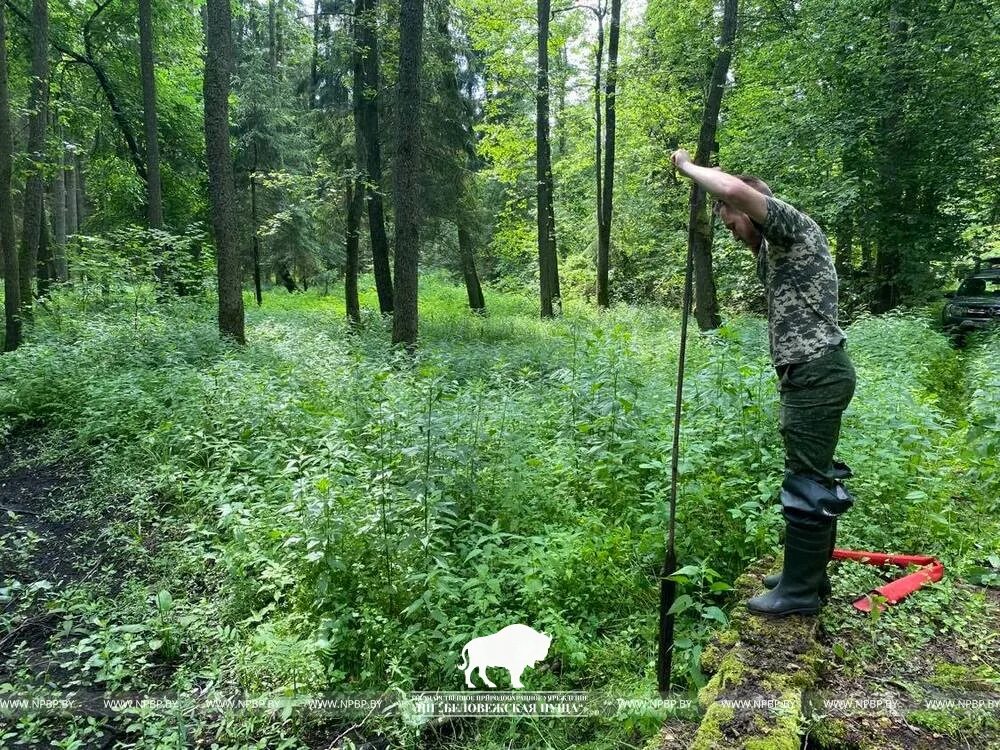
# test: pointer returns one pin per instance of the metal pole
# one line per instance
(668, 587)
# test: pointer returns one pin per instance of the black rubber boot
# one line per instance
(825, 589)
(807, 551)
(842, 470)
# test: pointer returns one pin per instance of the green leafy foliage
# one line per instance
(364, 515)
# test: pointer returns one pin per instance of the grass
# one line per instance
(323, 512)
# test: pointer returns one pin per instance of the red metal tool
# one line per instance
(931, 570)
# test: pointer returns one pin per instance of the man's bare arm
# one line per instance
(725, 187)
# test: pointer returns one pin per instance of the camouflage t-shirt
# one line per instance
(795, 267)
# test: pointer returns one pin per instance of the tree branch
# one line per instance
(103, 81)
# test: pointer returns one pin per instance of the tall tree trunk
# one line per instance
(373, 151)
(218, 65)
(82, 207)
(886, 271)
(561, 125)
(272, 38)
(894, 147)
(8, 247)
(69, 174)
(45, 267)
(356, 185)
(472, 286)
(892, 223)
(314, 67)
(466, 214)
(845, 246)
(286, 278)
(406, 174)
(355, 206)
(599, 137)
(699, 221)
(280, 34)
(255, 228)
(607, 193)
(34, 188)
(57, 205)
(548, 262)
(154, 195)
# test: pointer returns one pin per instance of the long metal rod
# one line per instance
(668, 587)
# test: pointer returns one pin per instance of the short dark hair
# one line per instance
(755, 182)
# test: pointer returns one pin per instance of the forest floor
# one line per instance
(873, 693)
(166, 508)
(918, 676)
(58, 549)
(929, 680)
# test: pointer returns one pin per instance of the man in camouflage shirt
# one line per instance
(815, 376)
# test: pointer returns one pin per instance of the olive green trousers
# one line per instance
(813, 397)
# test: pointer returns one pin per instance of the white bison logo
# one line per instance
(514, 648)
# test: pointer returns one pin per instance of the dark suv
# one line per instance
(976, 304)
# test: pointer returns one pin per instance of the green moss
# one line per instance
(776, 741)
(778, 731)
(709, 735)
(828, 733)
(730, 672)
(981, 677)
(804, 675)
(714, 653)
(711, 657)
(954, 722)
(938, 721)
(728, 638)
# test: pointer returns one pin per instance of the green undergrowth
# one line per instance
(325, 513)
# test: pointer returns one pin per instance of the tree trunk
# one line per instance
(154, 195)
(356, 186)
(843, 261)
(255, 228)
(548, 262)
(314, 67)
(706, 306)
(279, 33)
(81, 195)
(45, 267)
(468, 258)
(8, 247)
(466, 214)
(699, 221)
(887, 261)
(561, 126)
(373, 151)
(607, 193)
(69, 174)
(598, 141)
(286, 278)
(58, 209)
(34, 188)
(355, 206)
(891, 224)
(406, 174)
(272, 38)
(218, 65)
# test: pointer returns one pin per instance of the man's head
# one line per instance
(738, 222)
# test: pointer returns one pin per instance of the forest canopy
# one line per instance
(877, 119)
